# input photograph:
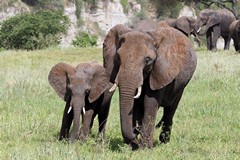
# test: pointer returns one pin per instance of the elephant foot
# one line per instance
(165, 134)
(164, 137)
(82, 137)
(146, 144)
(214, 49)
(134, 146)
(101, 137)
(159, 124)
(146, 140)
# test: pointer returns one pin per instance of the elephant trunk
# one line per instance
(201, 33)
(127, 90)
(77, 107)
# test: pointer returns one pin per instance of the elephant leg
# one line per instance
(167, 118)
(148, 122)
(138, 111)
(216, 35)
(227, 40)
(103, 111)
(102, 121)
(209, 40)
(236, 45)
(66, 122)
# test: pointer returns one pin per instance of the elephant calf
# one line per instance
(83, 89)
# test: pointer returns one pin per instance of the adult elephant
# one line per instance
(234, 29)
(154, 64)
(216, 24)
(186, 25)
(82, 88)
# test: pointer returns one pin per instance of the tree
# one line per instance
(231, 5)
(30, 2)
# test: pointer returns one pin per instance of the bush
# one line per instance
(84, 39)
(33, 31)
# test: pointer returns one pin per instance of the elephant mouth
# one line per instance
(139, 90)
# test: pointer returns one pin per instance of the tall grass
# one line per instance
(206, 124)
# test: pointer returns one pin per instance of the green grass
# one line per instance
(206, 124)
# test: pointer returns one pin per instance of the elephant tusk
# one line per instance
(199, 29)
(138, 93)
(69, 109)
(113, 87)
(84, 111)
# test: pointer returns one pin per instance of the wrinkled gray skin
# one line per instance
(81, 86)
(216, 24)
(161, 61)
(186, 25)
(234, 29)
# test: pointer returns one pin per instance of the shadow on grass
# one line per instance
(116, 144)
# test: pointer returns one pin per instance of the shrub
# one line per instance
(33, 31)
(83, 39)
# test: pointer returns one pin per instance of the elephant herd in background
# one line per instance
(216, 22)
(151, 64)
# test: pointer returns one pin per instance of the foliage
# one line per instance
(53, 5)
(124, 4)
(142, 14)
(84, 39)
(6, 3)
(78, 4)
(206, 123)
(33, 31)
(166, 8)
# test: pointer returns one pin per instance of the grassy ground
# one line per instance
(206, 124)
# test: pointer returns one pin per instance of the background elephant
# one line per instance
(156, 65)
(186, 25)
(234, 29)
(82, 88)
(216, 24)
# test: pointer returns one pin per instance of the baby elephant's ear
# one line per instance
(59, 79)
(99, 83)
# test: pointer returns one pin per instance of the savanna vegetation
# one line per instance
(206, 124)
(33, 31)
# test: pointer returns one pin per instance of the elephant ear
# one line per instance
(213, 19)
(184, 25)
(110, 46)
(99, 82)
(171, 48)
(59, 79)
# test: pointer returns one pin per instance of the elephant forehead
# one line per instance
(136, 36)
(83, 71)
(132, 48)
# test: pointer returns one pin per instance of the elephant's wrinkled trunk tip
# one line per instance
(113, 87)
(138, 93)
